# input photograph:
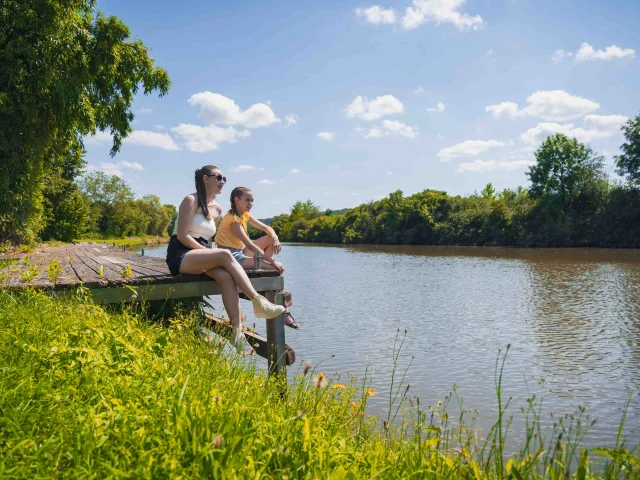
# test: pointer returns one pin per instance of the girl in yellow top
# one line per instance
(232, 235)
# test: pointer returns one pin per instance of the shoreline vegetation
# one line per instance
(571, 202)
(92, 391)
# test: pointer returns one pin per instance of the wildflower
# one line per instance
(320, 381)
(208, 339)
(386, 425)
(217, 441)
(339, 386)
(214, 351)
(355, 405)
(370, 392)
(307, 368)
(220, 343)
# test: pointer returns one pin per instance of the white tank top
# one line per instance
(200, 227)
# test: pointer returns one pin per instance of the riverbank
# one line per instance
(128, 241)
(88, 391)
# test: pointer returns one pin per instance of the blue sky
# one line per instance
(343, 102)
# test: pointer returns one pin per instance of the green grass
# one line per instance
(128, 241)
(87, 392)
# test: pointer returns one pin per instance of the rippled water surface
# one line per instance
(572, 318)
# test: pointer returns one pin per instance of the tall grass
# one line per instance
(87, 392)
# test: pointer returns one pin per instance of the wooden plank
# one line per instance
(88, 276)
(112, 277)
(257, 342)
(136, 293)
(119, 264)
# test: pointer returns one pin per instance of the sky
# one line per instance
(343, 102)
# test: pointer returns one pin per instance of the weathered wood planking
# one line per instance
(100, 267)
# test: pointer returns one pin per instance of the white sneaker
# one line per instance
(263, 308)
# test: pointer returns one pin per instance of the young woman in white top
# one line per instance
(190, 250)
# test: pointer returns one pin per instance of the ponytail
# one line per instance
(201, 189)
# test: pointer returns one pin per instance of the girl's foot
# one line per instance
(263, 308)
(237, 337)
(289, 321)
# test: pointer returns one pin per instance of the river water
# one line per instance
(571, 316)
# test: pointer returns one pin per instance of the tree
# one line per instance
(488, 192)
(105, 193)
(305, 211)
(562, 165)
(629, 162)
(67, 71)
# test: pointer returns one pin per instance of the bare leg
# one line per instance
(230, 296)
(266, 245)
(196, 262)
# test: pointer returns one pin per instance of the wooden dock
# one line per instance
(114, 275)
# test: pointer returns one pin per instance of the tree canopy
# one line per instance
(628, 162)
(67, 71)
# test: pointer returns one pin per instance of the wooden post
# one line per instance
(275, 337)
(124, 248)
(143, 252)
(114, 244)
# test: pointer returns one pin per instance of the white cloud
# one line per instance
(419, 89)
(145, 138)
(266, 181)
(145, 110)
(395, 127)
(468, 148)
(160, 127)
(326, 136)
(291, 119)
(504, 109)
(374, 109)
(594, 127)
(390, 174)
(377, 15)
(440, 11)
(111, 168)
(558, 55)
(132, 165)
(587, 52)
(295, 170)
(389, 127)
(216, 108)
(552, 105)
(205, 139)
(100, 138)
(137, 137)
(243, 168)
(440, 107)
(491, 165)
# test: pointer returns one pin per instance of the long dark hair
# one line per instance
(237, 193)
(201, 189)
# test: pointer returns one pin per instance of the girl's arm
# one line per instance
(268, 230)
(239, 232)
(185, 213)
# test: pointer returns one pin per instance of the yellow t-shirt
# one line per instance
(225, 237)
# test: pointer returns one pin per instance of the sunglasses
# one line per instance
(218, 177)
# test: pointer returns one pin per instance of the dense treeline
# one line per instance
(571, 203)
(100, 205)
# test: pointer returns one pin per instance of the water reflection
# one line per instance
(571, 316)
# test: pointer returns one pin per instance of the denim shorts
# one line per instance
(237, 254)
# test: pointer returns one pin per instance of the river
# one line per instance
(571, 316)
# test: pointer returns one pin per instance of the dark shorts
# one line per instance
(176, 251)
